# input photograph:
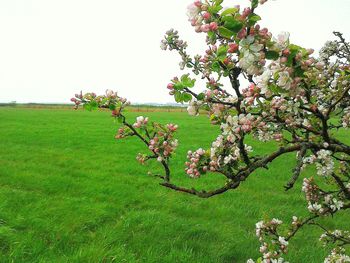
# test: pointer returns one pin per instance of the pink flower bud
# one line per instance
(286, 52)
(213, 26)
(170, 86)
(193, 22)
(205, 28)
(246, 12)
(298, 56)
(283, 59)
(233, 47)
(242, 34)
(226, 61)
(198, 4)
(319, 65)
(206, 16)
(308, 62)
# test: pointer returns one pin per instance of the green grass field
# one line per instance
(71, 193)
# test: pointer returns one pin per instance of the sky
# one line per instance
(52, 49)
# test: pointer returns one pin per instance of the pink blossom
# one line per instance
(213, 26)
(233, 47)
(242, 34)
(206, 16)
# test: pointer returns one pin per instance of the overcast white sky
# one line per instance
(51, 49)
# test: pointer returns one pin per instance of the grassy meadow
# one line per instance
(71, 193)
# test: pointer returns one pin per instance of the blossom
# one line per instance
(314, 207)
(192, 109)
(282, 41)
(140, 121)
(284, 80)
(276, 221)
(228, 159)
(263, 81)
(110, 93)
(325, 166)
(196, 163)
(282, 241)
(337, 256)
(251, 56)
(193, 10)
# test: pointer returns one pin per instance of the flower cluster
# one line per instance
(200, 18)
(123, 132)
(224, 153)
(172, 41)
(252, 59)
(272, 245)
(337, 256)
(140, 122)
(162, 144)
(197, 163)
(193, 108)
(110, 100)
(323, 160)
(330, 237)
(319, 202)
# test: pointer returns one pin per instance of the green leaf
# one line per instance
(112, 106)
(275, 89)
(253, 18)
(294, 50)
(232, 24)
(201, 96)
(222, 52)
(178, 96)
(229, 11)
(120, 119)
(299, 72)
(93, 105)
(211, 34)
(179, 86)
(216, 67)
(214, 9)
(224, 32)
(255, 3)
(187, 81)
(186, 97)
(272, 55)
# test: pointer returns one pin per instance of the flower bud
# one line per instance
(286, 52)
(206, 16)
(213, 26)
(233, 47)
